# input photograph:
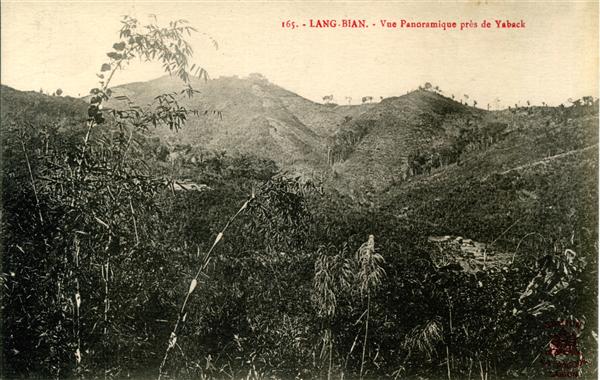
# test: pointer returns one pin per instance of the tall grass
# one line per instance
(370, 275)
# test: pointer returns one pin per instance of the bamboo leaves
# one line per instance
(370, 272)
(165, 44)
(335, 274)
(325, 284)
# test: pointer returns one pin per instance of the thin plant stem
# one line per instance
(362, 361)
(35, 193)
(106, 278)
(91, 123)
(351, 349)
(137, 237)
(182, 315)
(470, 367)
(77, 305)
(448, 362)
(480, 370)
(330, 354)
(127, 147)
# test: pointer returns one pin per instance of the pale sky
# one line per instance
(54, 45)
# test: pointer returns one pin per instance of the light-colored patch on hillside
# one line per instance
(472, 256)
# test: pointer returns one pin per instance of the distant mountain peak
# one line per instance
(258, 118)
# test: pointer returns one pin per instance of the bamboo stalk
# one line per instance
(137, 237)
(91, 123)
(448, 363)
(182, 315)
(106, 278)
(126, 147)
(480, 370)
(77, 310)
(330, 355)
(35, 193)
(362, 361)
(351, 349)
(470, 367)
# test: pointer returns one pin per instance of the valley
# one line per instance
(480, 227)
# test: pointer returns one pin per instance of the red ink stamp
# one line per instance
(563, 358)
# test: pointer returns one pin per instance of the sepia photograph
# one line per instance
(333, 190)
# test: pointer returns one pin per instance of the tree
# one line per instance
(328, 99)
(94, 189)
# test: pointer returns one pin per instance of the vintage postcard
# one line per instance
(299, 190)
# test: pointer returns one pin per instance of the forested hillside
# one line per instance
(244, 232)
(255, 117)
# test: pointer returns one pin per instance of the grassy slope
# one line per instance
(539, 175)
(397, 127)
(39, 107)
(258, 118)
(542, 177)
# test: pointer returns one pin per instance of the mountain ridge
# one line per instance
(258, 118)
(365, 148)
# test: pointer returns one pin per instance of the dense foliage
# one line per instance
(117, 261)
